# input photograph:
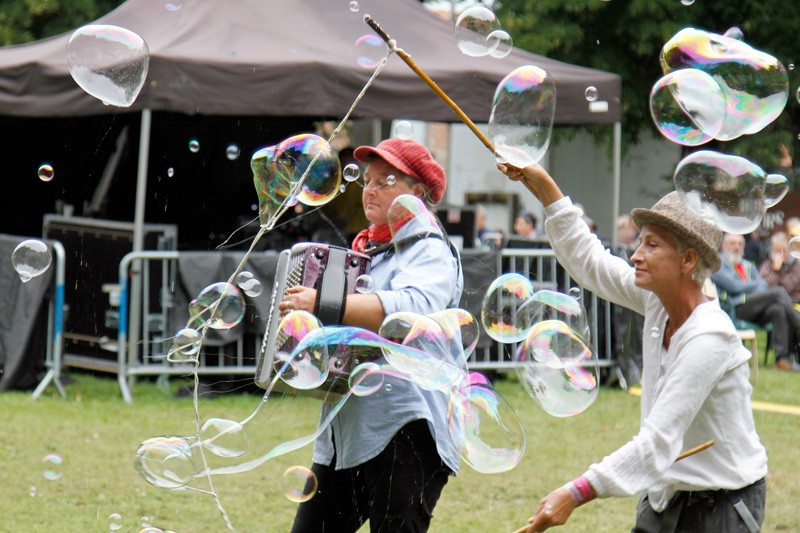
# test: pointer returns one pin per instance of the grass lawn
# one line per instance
(96, 434)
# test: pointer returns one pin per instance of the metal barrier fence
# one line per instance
(55, 328)
(145, 329)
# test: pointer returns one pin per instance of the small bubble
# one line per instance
(591, 93)
(249, 284)
(365, 284)
(342, 187)
(575, 292)
(52, 466)
(791, 66)
(114, 522)
(798, 94)
(145, 522)
(403, 129)
(388, 387)
(170, 172)
(354, 6)
(173, 6)
(232, 152)
(391, 180)
(687, 2)
(655, 332)
(46, 172)
(299, 484)
(351, 172)
(194, 146)
(32, 492)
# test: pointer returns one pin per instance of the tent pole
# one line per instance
(135, 297)
(617, 178)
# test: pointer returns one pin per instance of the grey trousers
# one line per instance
(706, 512)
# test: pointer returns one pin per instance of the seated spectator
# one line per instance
(754, 249)
(744, 292)
(782, 269)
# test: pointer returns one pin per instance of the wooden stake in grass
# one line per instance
(691, 451)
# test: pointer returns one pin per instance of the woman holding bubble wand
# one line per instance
(695, 383)
(386, 457)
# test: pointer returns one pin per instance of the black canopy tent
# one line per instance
(270, 58)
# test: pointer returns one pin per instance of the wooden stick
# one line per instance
(691, 451)
(419, 72)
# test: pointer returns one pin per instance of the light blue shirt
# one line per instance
(422, 277)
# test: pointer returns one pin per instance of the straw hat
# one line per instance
(411, 158)
(671, 213)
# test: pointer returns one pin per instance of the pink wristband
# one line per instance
(586, 490)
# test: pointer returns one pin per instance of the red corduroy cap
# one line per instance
(412, 158)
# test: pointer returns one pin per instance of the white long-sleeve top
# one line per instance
(696, 390)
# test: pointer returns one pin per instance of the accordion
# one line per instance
(333, 272)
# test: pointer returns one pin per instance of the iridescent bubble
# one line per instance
(194, 146)
(391, 179)
(170, 172)
(500, 43)
(220, 306)
(575, 293)
(590, 93)
(655, 332)
(224, 437)
(173, 6)
(734, 32)
(365, 379)
(403, 129)
(114, 522)
(151, 529)
(301, 358)
(755, 84)
(552, 369)
(31, 258)
(46, 172)
(794, 247)
(249, 284)
(687, 2)
(145, 522)
(552, 305)
(725, 190)
(472, 30)
(108, 62)
(365, 284)
(521, 122)
(294, 158)
(299, 484)
(408, 216)
(232, 152)
(486, 429)
(688, 107)
(273, 188)
(168, 462)
(52, 466)
(370, 50)
(503, 315)
(185, 346)
(461, 327)
(354, 6)
(388, 387)
(776, 188)
(351, 172)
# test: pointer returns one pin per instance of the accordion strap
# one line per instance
(332, 288)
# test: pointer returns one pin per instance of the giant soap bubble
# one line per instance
(108, 62)
(728, 191)
(504, 315)
(688, 107)
(756, 85)
(475, 31)
(31, 258)
(521, 122)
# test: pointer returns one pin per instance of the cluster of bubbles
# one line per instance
(556, 362)
(108, 62)
(716, 87)
(478, 33)
(31, 258)
(521, 122)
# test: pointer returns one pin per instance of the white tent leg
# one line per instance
(135, 301)
(616, 180)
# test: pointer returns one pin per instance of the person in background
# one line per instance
(386, 457)
(695, 384)
(744, 293)
(480, 226)
(525, 225)
(754, 249)
(792, 227)
(781, 268)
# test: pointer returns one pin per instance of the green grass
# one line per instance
(97, 435)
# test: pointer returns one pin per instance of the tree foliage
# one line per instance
(626, 37)
(22, 21)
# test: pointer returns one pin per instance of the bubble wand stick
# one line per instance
(432, 84)
(691, 451)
